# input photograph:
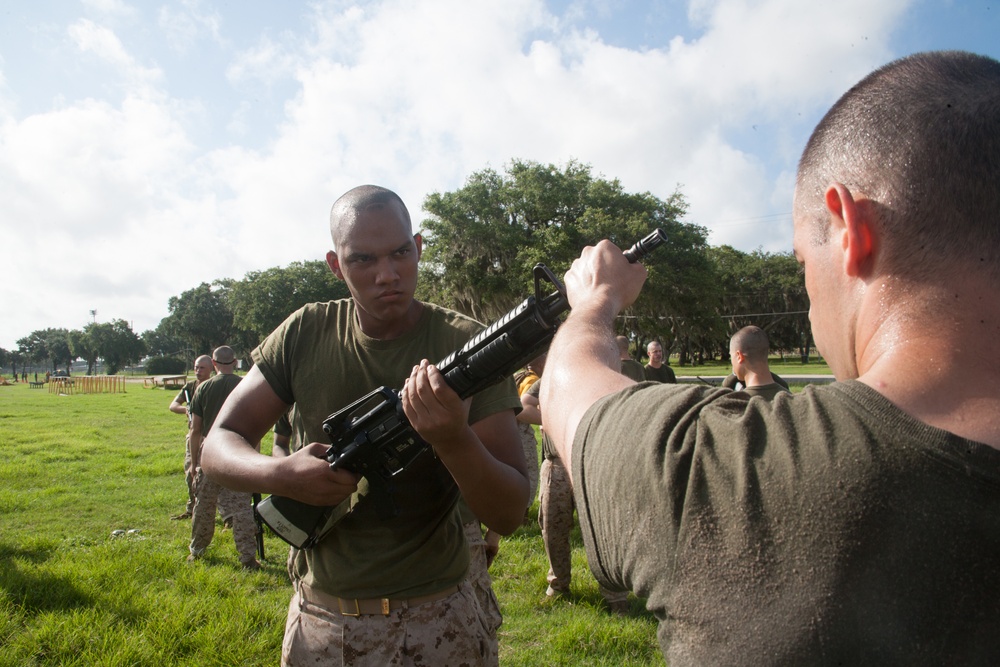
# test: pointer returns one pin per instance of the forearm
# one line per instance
(496, 492)
(233, 461)
(529, 414)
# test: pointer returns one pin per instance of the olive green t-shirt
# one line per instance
(663, 374)
(633, 369)
(824, 528)
(210, 396)
(765, 390)
(320, 360)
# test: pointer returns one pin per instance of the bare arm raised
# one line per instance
(583, 360)
(230, 459)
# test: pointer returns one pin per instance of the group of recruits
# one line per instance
(201, 400)
(850, 523)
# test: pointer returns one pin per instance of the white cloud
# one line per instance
(102, 42)
(187, 24)
(110, 204)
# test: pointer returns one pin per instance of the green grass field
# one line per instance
(78, 467)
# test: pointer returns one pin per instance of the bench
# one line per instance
(174, 382)
(36, 385)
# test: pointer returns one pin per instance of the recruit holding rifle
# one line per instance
(373, 437)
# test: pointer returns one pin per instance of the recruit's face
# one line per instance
(377, 258)
(655, 353)
(202, 369)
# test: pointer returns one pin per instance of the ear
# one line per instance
(334, 264)
(418, 240)
(851, 224)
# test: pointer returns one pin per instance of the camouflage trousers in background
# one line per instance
(444, 632)
(555, 518)
(189, 477)
(530, 445)
(210, 496)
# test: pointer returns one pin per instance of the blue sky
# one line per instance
(147, 147)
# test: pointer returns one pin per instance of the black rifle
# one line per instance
(260, 525)
(372, 435)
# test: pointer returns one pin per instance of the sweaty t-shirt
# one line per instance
(824, 528)
(320, 360)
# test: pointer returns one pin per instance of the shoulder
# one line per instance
(439, 316)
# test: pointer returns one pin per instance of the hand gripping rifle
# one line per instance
(372, 435)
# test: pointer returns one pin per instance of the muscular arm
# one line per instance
(583, 362)
(177, 407)
(485, 459)
(530, 412)
(231, 459)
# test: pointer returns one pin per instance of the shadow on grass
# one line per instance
(30, 588)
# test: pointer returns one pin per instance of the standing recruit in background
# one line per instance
(181, 405)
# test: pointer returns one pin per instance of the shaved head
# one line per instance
(345, 210)
(920, 138)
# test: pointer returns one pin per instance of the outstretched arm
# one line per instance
(583, 362)
(230, 457)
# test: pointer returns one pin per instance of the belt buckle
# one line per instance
(385, 606)
(357, 608)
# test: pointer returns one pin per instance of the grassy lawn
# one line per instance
(789, 366)
(79, 467)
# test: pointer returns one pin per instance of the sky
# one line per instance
(147, 147)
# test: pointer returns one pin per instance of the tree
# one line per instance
(484, 239)
(49, 345)
(160, 341)
(263, 299)
(199, 317)
(764, 289)
(116, 343)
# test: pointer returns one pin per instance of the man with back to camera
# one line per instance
(748, 352)
(630, 368)
(658, 370)
(181, 405)
(853, 523)
(378, 590)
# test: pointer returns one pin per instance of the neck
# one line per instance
(757, 378)
(391, 329)
(936, 358)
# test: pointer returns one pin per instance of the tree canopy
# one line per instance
(481, 244)
(484, 239)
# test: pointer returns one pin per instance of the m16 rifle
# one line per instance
(372, 435)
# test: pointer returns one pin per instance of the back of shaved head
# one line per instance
(751, 341)
(356, 200)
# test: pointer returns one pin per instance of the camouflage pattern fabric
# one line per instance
(530, 445)
(189, 474)
(210, 496)
(482, 584)
(555, 518)
(447, 632)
